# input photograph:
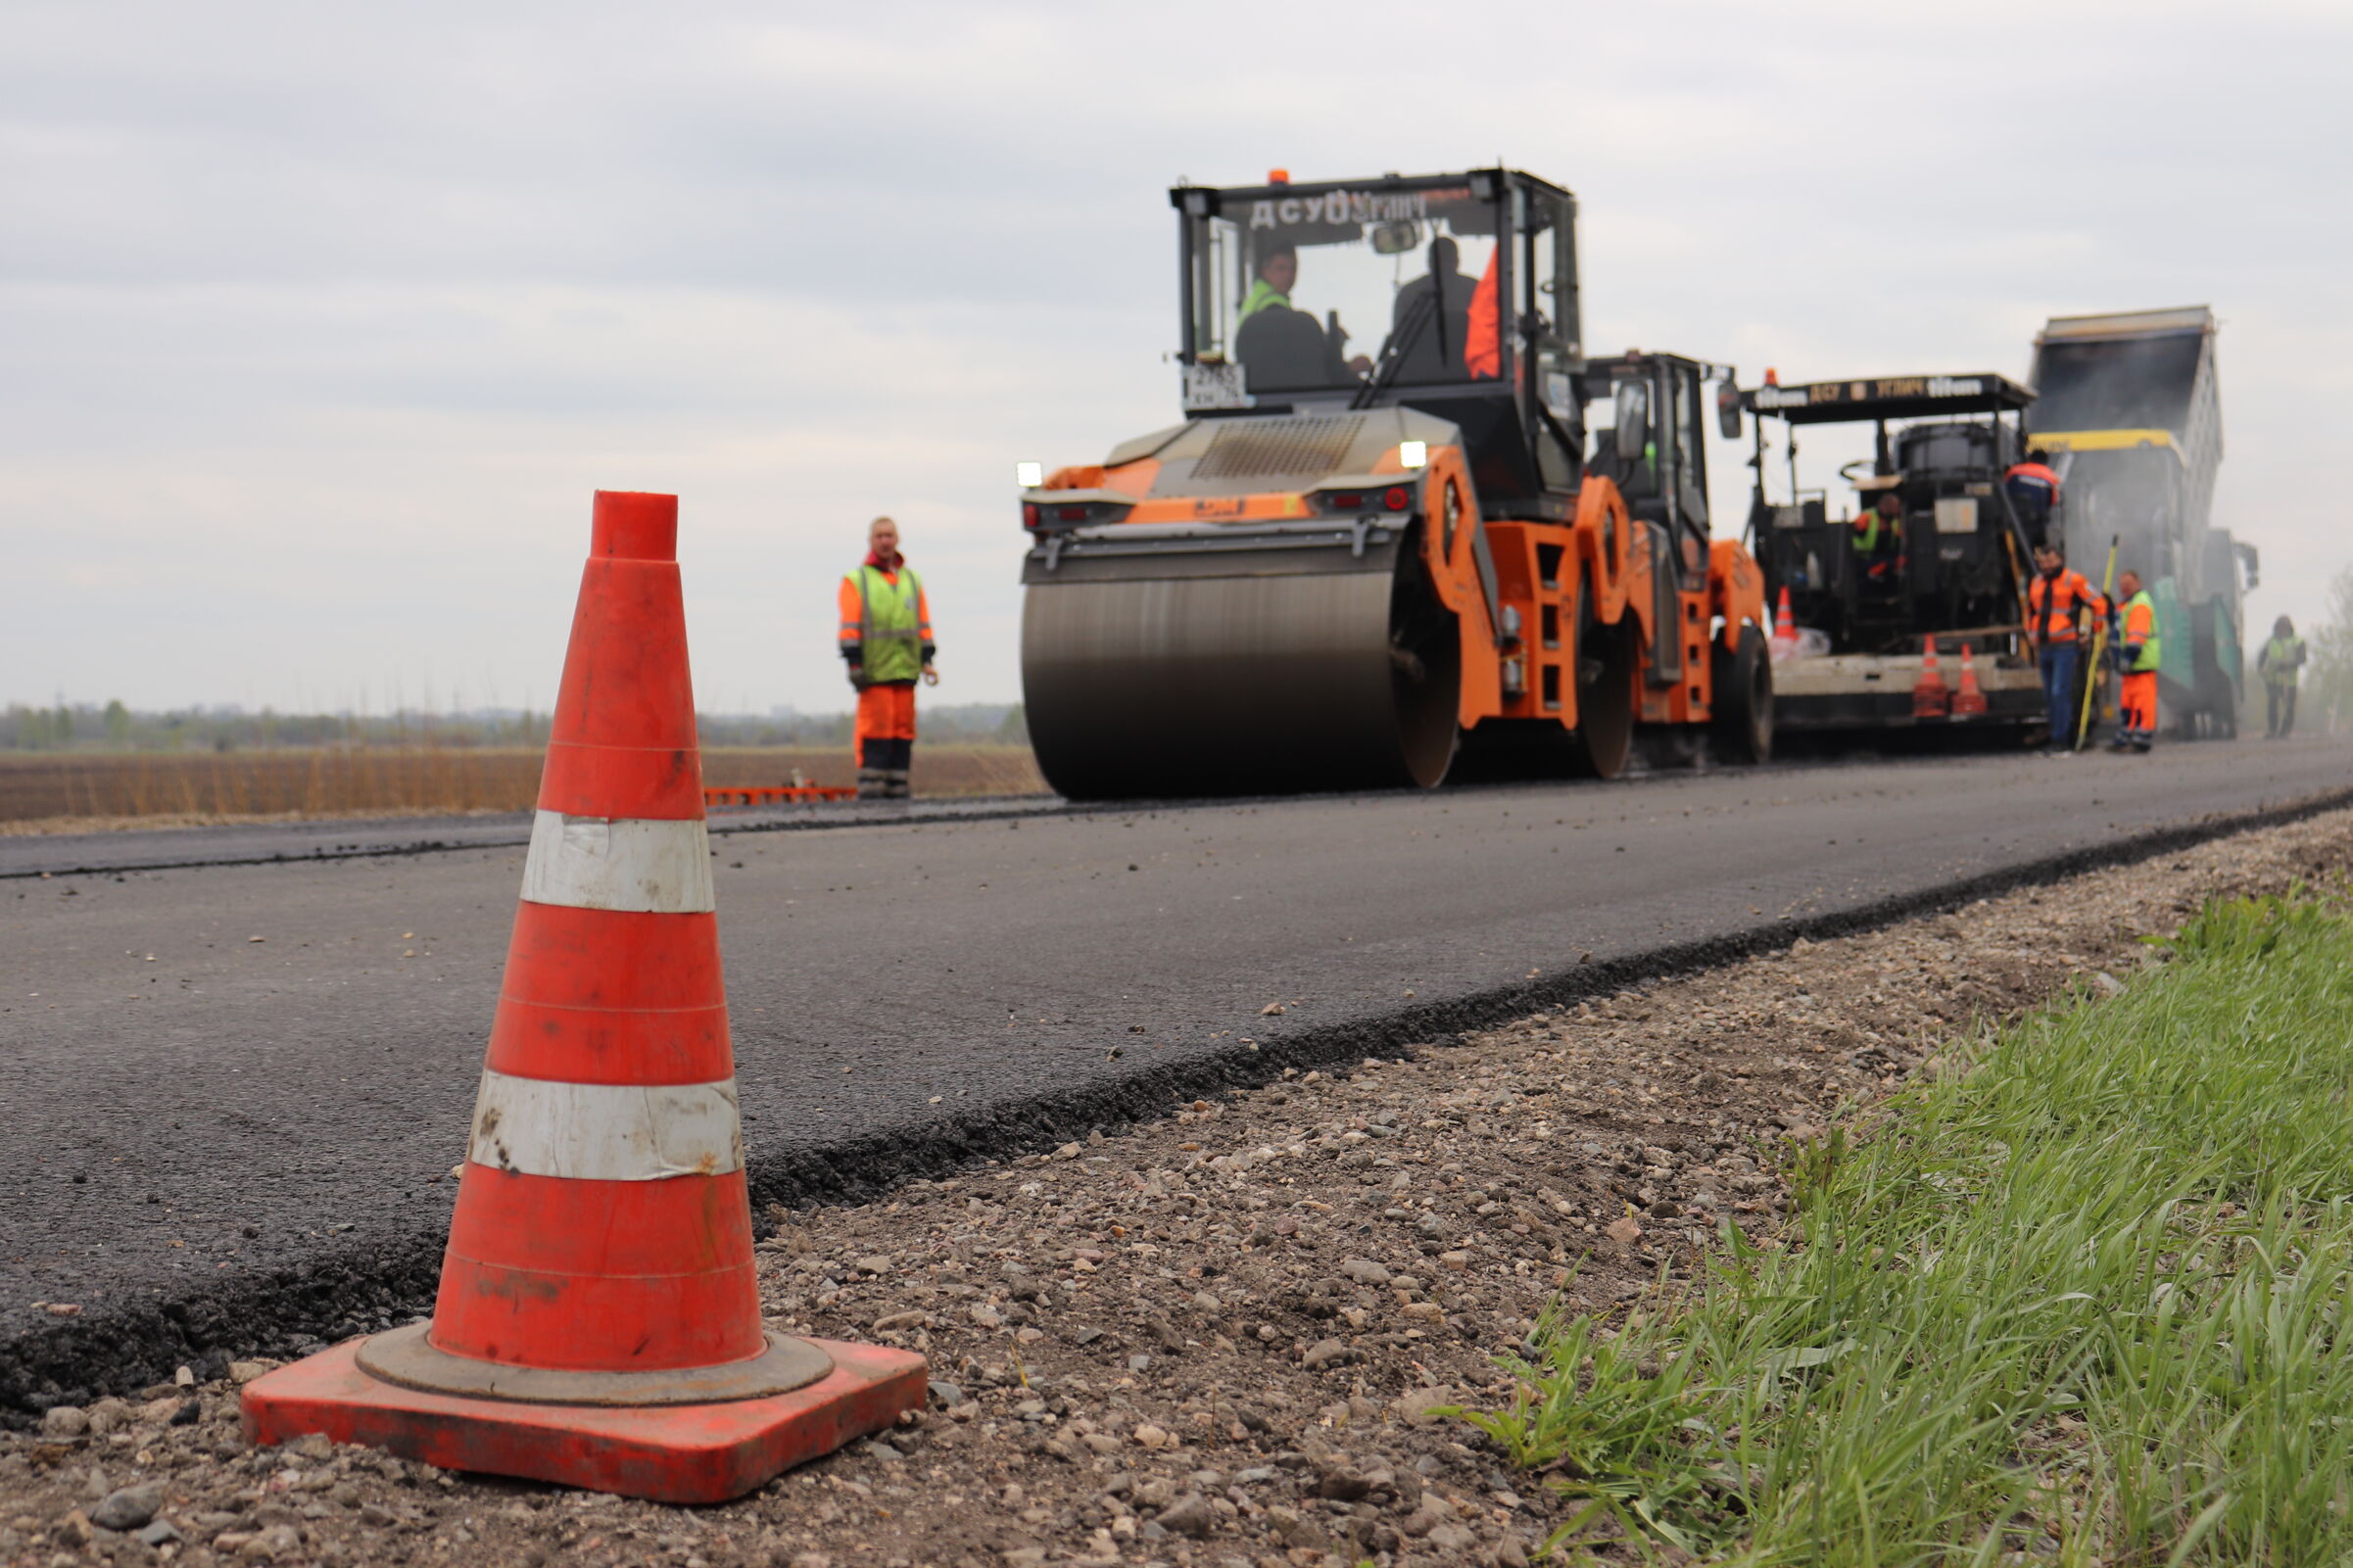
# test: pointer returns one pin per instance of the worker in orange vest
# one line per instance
(2056, 600)
(2139, 650)
(2032, 486)
(886, 639)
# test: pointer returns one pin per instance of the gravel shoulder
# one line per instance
(1220, 1338)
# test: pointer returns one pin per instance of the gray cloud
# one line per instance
(322, 323)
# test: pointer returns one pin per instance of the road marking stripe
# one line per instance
(634, 863)
(607, 1131)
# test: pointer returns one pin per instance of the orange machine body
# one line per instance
(1542, 570)
(1478, 550)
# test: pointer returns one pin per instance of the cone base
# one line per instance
(683, 1453)
(409, 1357)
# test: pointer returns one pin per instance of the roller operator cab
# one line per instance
(1407, 527)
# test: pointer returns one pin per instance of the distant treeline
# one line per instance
(91, 728)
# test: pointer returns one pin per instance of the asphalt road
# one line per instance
(262, 1128)
(272, 844)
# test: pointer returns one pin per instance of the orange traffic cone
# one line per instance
(598, 1321)
(1968, 702)
(1785, 625)
(1930, 698)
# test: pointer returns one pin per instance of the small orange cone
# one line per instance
(1931, 698)
(1968, 702)
(598, 1321)
(1785, 625)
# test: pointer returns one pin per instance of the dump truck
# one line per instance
(1947, 573)
(2129, 408)
(1406, 529)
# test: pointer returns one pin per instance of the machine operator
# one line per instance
(887, 640)
(1879, 536)
(2056, 600)
(1282, 348)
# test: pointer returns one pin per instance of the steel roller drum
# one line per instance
(1237, 660)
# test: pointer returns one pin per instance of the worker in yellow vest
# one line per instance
(2138, 649)
(2282, 658)
(885, 637)
(1879, 534)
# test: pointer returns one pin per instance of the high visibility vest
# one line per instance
(1262, 295)
(2037, 480)
(890, 625)
(2140, 638)
(1866, 530)
(2053, 601)
(1482, 335)
(2282, 657)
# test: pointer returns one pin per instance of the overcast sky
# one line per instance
(319, 324)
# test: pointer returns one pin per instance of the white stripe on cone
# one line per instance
(627, 863)
(607, 1131)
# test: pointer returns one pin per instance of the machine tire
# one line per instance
(1156, 687)
(1743, 728)
(1604, 682)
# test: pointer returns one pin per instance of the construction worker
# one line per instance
(2032, 486)
(2137, 653)
(1879, 534)
(1282, 348)
(2056, 599)
(887, 642)
(1435, 310)
(2278, 663)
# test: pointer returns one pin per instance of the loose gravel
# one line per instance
(1223, 1338)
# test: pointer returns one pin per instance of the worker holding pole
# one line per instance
(885, 640)
(2056, 599)
(2136, 728)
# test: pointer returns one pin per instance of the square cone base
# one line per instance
(686, 1453)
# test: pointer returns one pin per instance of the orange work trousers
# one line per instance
(2138, 705)
(886, 727)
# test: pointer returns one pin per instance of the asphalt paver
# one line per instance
(236, 1092)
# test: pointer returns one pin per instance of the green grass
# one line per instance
(2086, 1302)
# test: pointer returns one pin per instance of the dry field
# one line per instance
(62, 793)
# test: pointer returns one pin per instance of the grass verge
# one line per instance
(2087, 1302)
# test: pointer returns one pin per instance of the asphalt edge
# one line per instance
(859, 1168)
(373, 1284)
(519, 836)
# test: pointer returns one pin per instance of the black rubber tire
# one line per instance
(1604, 666)
(1742, 730)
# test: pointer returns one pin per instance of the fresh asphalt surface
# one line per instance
(224, 1143)
(272, 843)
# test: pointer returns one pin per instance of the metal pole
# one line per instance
(2099, 645)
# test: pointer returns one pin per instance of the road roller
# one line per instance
(1408, 529)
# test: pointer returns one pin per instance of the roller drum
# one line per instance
(1247, 674)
